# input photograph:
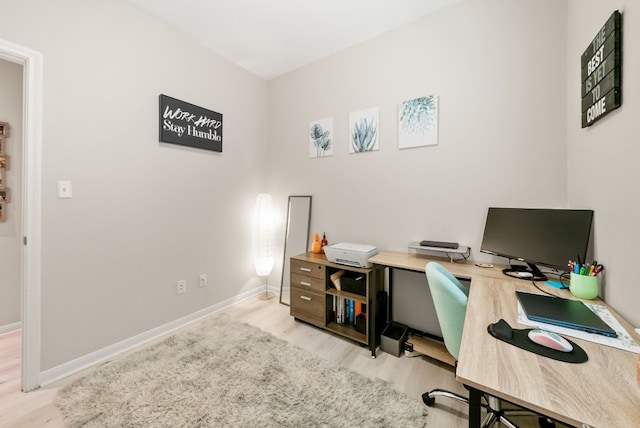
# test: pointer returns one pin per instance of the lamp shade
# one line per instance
(263, 235)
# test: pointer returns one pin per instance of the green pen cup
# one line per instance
(584, 286)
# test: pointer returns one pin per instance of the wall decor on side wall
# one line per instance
(320, 138)
(363, 130)
(4, 199)
(4, 128)
(4, 131)
(601, 73)
(189, 125)
(418, 122)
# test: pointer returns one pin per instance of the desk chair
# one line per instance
(450, 300)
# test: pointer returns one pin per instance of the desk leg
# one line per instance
(475, 396)
(376, 286)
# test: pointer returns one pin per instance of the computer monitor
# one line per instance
(549, 237)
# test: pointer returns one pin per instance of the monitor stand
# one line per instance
(521, 272)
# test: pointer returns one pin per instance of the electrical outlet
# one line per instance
(203, 279)
(181, 286)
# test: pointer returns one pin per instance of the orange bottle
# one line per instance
(317, 246)
(323, 242)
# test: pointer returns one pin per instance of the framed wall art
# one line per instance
(321, 138)
(364, 130)
(418, 122)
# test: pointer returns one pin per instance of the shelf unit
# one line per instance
(346, 330)
(432, 348)
(313, 293)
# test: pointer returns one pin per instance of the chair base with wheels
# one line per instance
(491, 406)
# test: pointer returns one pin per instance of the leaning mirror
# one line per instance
(296, 240)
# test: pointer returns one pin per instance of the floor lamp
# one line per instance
(263, 240)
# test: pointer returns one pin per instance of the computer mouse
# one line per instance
(550, 340)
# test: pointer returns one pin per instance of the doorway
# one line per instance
(30, 228)
(10, 210)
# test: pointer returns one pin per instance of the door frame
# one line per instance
(32, 106)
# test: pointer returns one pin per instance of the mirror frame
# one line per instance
(287, 237)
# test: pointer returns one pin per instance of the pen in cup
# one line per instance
(578, 268)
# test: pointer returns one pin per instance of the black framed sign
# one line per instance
(601, 74)
(189, 125)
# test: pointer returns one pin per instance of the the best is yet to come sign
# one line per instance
(601, 66)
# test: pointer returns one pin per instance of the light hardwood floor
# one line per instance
(410, 375)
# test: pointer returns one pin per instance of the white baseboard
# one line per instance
(10, 328)
(55, 374)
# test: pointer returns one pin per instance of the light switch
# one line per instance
(64, 190)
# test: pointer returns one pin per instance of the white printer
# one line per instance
(350, 254)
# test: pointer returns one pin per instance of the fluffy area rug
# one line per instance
(223, 373)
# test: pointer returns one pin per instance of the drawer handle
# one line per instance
(305, 298)
(308, 284)
(305, 269)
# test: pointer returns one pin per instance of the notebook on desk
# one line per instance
(563, 312)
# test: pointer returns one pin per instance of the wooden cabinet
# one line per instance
(315, 300)
(307, 291)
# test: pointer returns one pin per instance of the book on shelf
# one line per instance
(346, 311)
(335, 279)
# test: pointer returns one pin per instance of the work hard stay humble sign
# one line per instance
(602, 72)
(189, 125)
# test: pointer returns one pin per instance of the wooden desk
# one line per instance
(417, 262)
(602, 392)
(599, 393)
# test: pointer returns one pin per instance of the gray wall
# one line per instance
(501, 84)
(10, 231)
(508, 77)
(143, 214)
(603, 166)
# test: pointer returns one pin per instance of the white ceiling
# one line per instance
(273, 37)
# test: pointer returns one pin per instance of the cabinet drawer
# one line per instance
(307, 268)
(307, 282)
(308, 306)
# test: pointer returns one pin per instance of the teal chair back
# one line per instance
(450, 300)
